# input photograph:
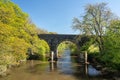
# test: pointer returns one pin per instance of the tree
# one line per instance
(112, 45)
(42, 31)
(52, 32)
(17, 34)
(95, 22)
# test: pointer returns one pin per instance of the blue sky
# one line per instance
(57, 15)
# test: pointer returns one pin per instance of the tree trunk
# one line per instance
(99, 40)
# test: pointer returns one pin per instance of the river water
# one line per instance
(65, 68)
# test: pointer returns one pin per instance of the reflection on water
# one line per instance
(65, 65)
(63, 69)
(92, 71)
(53, 66)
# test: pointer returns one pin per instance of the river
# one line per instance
(64, 69)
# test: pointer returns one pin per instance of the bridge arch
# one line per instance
(54, 40)
(69, 40)
(66, 44)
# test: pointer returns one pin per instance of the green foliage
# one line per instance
(62, 46)
(95, 21)
(99, 21)
(18, 48)
(41, 31)
(93, 48)
(74, 49)
(52, 33)
(67, 45)
(87, 45)
(7, 59)
(111, 56)
(112, 46)
(17, 35)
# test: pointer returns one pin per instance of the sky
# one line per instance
(57, 15)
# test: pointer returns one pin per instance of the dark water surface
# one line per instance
(65, 69)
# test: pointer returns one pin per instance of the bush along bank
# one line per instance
(18, 35)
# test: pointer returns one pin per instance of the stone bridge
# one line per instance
(54, 40)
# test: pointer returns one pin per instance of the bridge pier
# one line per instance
(53, 56)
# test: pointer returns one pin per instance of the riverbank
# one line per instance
(34, 66)
(66, 68)
(106, 71)
(4, 69)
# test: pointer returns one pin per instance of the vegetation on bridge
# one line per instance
(99, 21)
